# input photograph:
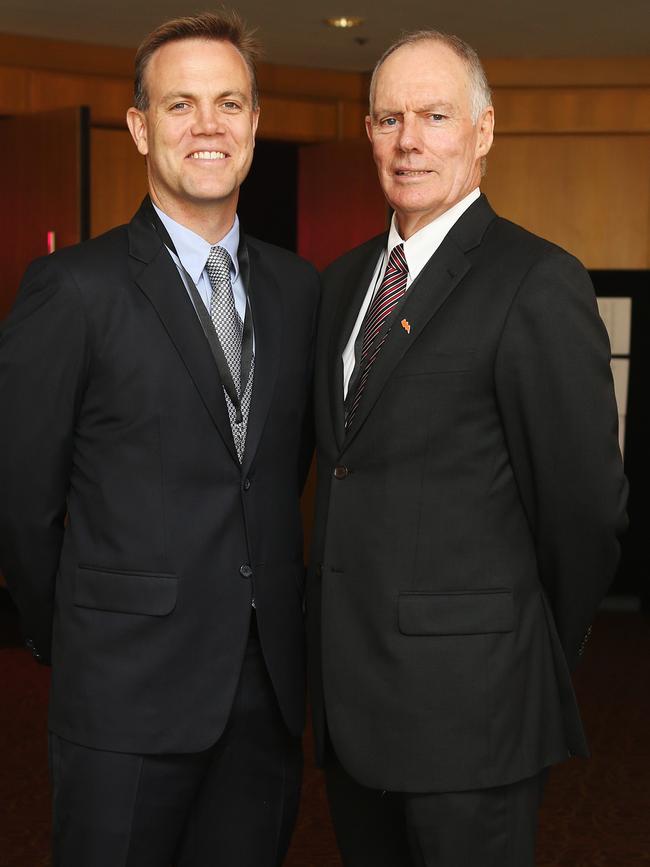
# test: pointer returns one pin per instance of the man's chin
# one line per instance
(212, 198)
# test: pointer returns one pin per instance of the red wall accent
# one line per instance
(340, 204)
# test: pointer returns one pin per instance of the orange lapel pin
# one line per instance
(406, 325)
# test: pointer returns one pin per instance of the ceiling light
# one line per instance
(344, 22)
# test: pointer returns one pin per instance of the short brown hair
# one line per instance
(224, 26)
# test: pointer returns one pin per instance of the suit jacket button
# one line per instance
(247, 484)
(341, 472)
(319, 570)
(245, 571)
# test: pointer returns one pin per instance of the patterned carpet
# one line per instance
(596, 813)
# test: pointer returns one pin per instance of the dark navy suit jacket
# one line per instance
(114, 414)
(467, 520)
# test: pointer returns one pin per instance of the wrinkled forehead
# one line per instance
(423, 71)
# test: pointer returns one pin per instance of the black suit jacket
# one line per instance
(463, 544)
(113, 412)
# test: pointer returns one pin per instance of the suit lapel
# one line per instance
(424, 298)
(350, 301)
(437, 280)
(156, 275)
(268, 317)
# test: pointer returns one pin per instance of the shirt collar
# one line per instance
(193, 250)
(419, 248)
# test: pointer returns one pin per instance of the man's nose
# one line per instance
(207, 121)
(410, 138)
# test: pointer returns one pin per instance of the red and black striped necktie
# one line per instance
(387, 297)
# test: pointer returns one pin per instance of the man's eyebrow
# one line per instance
(175, 95)
(436, 107)
(240, 94)
(384, 112)
(181, 95)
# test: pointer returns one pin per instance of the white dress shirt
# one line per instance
(418, 249)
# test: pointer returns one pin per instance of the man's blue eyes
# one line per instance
(229, 106)
(392, 121)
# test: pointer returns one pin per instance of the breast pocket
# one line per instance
(423, 363)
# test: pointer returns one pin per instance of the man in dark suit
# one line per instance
(469, 499)
(154, 386)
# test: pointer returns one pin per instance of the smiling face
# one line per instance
(426, 147)
(198, 132)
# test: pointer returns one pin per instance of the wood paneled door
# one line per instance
(45, 190)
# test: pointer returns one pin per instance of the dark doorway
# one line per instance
(269, 196)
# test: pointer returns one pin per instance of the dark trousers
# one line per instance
(233, 805)
(484, 828)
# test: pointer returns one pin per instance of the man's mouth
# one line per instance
(412, 173)
(207, 155)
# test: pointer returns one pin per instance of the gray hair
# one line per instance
(480, 95)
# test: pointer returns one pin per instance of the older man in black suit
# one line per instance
(470, 493)
(155, 387)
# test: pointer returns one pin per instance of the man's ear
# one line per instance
(137, 124)
(369, 126)
(485, 136)
(255, 121)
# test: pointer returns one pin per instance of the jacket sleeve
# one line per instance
(42, 364)
(556, 397)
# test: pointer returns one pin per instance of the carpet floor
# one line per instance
(596, 813)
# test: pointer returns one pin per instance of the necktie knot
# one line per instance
(397, 261)
(218, 267)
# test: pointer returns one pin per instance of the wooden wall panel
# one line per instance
(288, 119)
(567, 71)
(116, 61)
(531, 95)
(298, 120)
(590, 194)
(572, 109)
(78, 57)
(314, 83)
(14, 90)
(118, 179)
(107, 98)
(352, 120)
(84, 58)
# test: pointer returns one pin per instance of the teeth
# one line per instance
(413, 173)
(208, 155)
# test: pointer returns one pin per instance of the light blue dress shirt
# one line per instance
(193, 251)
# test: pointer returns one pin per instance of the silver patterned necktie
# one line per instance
(229, 328)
